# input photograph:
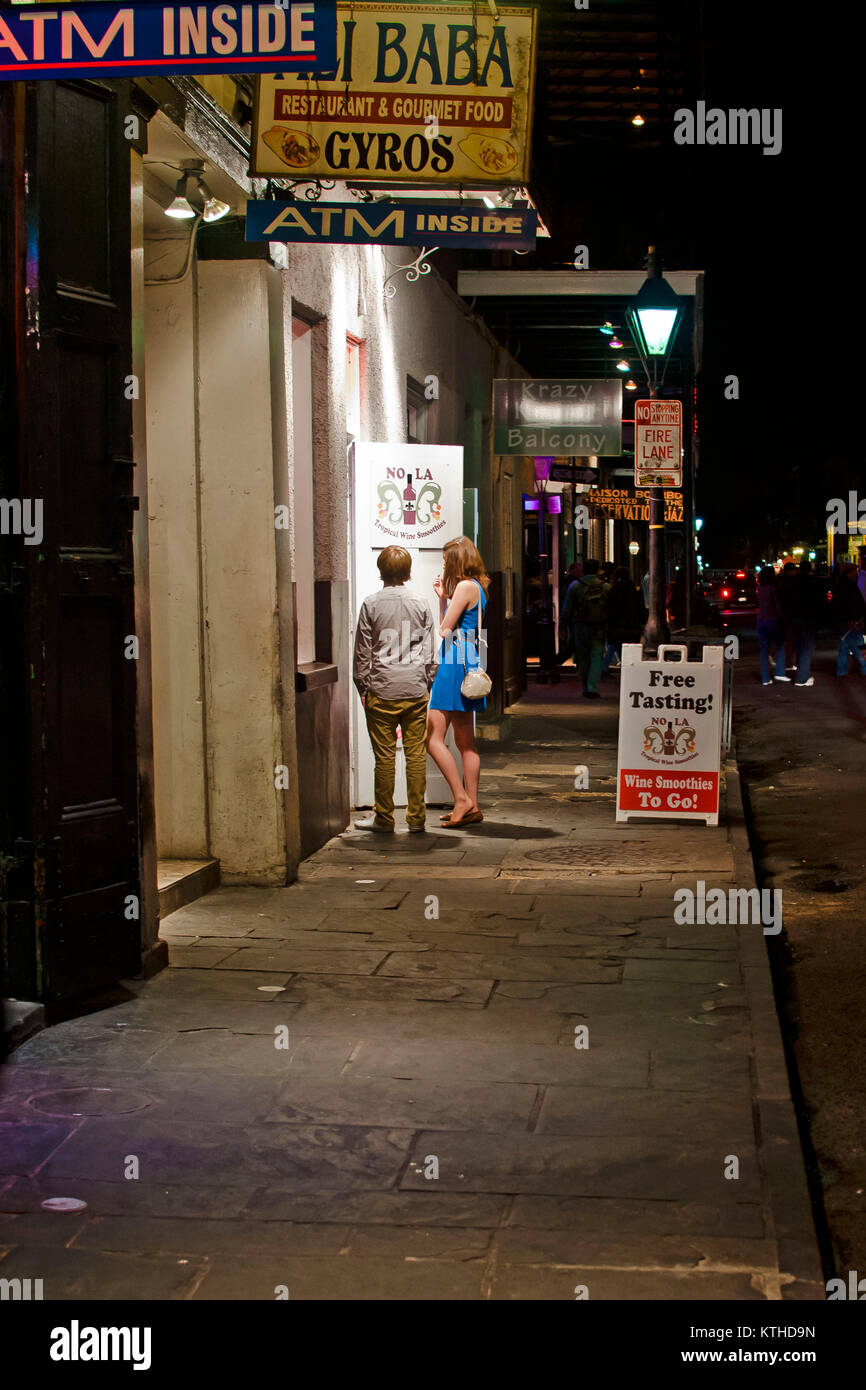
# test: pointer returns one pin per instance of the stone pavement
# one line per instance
(366, 1085)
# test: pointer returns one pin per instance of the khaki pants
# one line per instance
(383, 717)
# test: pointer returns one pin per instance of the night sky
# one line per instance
(759, 225)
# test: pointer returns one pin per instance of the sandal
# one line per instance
(471, 818)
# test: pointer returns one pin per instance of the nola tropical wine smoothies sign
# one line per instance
(670, 721)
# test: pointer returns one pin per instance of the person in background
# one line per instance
(565, 649)
(393, 669)
(585, 612)
(462, 593)
(802, 605)
(644, 589)
(861, 573)
(675, 599)
(624, 617)
(783, 589)
(849, 612)
(771, 628)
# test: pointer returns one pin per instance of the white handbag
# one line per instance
(476, 684)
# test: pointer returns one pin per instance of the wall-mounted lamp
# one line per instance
(192, 184)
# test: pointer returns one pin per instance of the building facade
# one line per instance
(176, 648)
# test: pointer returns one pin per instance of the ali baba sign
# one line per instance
(438, 94)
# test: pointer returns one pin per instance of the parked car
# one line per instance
(734, 589)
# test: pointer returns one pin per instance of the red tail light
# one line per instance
(726, 593)
(741, 574)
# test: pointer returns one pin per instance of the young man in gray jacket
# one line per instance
(393, 669)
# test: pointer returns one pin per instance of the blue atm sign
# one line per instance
(393, 224)
(144, 38)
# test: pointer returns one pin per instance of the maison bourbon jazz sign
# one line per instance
(145, 38)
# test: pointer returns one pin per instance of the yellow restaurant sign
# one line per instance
(423, 93)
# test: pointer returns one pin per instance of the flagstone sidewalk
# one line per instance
(467, 1065)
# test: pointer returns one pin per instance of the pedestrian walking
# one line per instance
(771, 627)
(802, 606)
(849, 612)
(861, 573)
(624, 617)
(585, 611)
(462, 593)
(393, 668)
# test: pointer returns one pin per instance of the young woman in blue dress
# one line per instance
(462, 593)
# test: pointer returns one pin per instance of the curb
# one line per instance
(779, 1139)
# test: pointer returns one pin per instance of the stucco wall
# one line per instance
(218, 693)
(220, 456)
(175, 574)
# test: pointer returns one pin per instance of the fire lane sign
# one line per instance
(144, 38)
(658, 443)
(670, 725)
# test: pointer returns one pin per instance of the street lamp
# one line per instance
(653, 319)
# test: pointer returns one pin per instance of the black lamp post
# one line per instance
(653, 319)
(545, 630)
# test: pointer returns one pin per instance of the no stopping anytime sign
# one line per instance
(670, 722)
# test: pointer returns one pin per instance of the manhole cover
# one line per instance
(89, 1100)
(578, 854)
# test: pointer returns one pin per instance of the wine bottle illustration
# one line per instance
(408, 502)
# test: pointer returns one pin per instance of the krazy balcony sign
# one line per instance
(557, 417)
(429, 94)
(145, 38)
(392, 224)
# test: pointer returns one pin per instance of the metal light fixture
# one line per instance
(623, 366)
(633, 548)
(192, 182)
(638, 120)
(614, 343)
(654, 316)
(607, 328)
(631, 385)
(214, 208)
(180, 206)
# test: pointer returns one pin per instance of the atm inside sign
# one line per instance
(658, 444)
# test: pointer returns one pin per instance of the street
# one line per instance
(802, 757)
(483, 1064)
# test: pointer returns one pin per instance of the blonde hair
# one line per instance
(462, 561)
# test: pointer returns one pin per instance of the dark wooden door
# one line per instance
(76, 828)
